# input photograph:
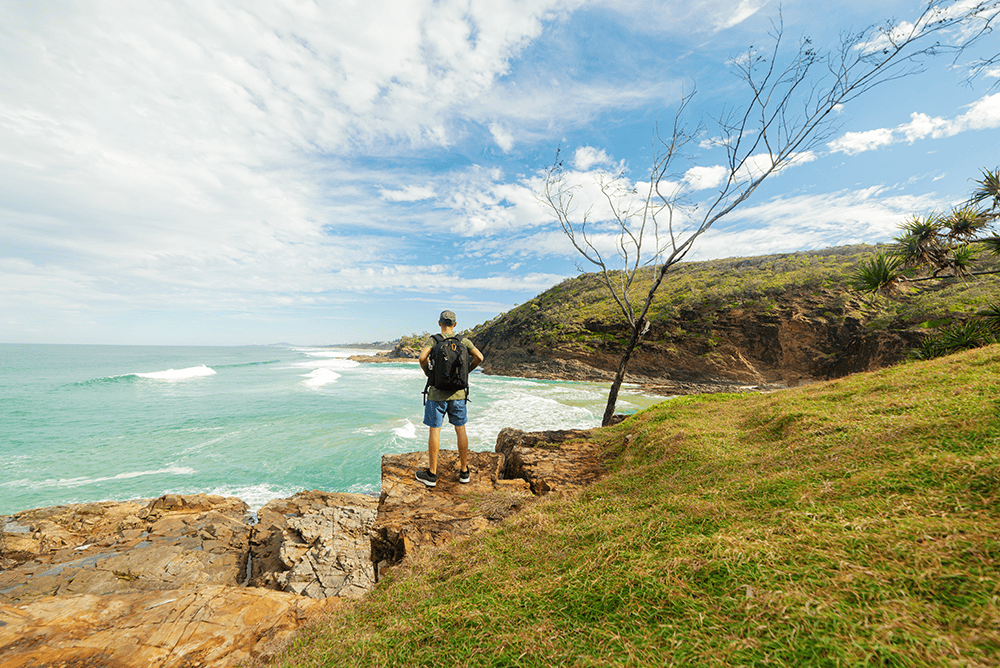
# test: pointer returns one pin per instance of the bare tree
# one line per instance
(788, 113)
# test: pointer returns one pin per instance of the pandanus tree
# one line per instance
(938, 245)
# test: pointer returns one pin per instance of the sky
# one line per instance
(200, 172)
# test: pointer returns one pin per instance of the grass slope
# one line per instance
(847, 523)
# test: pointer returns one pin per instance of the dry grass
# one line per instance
(848, 523)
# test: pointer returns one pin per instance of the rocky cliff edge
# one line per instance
(198, 580)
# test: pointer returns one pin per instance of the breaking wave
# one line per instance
(168, 375)
(320, 377)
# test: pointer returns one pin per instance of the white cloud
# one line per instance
(700, 178)
(586, 157)
(683, 18)
(407, 194)
(857, 142)
(756, 165)
(983, 114)
(787, 224)
(736, 15)
(919, 127)
(886, 37)
(200, 155)
(439, 278)
(503, 138)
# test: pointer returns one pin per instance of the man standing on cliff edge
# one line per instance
(446, 401)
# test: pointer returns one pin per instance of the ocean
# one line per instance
(83, 423)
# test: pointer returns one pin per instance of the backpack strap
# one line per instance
(437, 339)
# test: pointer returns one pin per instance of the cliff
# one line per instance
(730, 325)
(197, 580)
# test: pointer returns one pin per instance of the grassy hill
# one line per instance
(748, 319)
(852, 522)
(561, 313)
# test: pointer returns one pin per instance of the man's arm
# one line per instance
(477, 358)
(425, 354)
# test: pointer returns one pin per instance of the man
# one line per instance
(442, 402)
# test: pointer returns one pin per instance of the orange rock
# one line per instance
(412, 516)
(209, 626)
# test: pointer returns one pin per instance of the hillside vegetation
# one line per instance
(745, 320)
(851, 522)
(760, 282)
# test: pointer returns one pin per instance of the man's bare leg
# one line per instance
(463, 447)
(433, 445)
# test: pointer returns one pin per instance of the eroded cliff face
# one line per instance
(798, 338)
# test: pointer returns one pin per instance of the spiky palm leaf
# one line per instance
(988, 189)
(925, 228)
(962, 259)
(991, 245)
(920, 243)
(991, 316)
(960, 336)
(965, 223)
(878, 275)
(969, 334)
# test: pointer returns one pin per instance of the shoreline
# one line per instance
(184, 576)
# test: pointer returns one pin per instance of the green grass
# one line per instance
(847, 523)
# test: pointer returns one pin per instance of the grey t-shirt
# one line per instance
(434, 394)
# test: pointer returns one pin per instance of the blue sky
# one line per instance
(204, 172)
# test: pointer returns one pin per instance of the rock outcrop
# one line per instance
(212, 625)
(164, 582)
(551, 461)
(801, 337)
(115, 548)
(412, 516)
(315, 544)
(524, 465)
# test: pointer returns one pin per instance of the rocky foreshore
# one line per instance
(199, 580)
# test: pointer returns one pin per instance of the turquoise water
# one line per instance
(92, 423)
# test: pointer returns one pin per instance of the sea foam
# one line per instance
(84, 481)
(408, 430)
(320, 377)
(178, 374)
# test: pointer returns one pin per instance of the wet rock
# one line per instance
(212, 626)
(316, 544)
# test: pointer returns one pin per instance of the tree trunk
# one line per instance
(633, 341)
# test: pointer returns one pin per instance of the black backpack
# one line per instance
(449, 366)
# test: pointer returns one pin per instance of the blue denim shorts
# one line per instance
(434, 412)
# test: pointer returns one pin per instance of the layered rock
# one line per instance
(412, 516)
(110, 548)
(213, 625)
(160, 583)
(315, 544)
(551, 461)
